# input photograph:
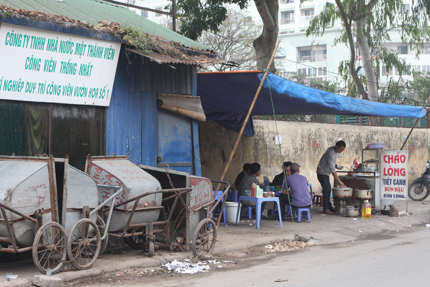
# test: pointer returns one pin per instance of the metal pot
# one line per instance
(352, 211)
(363, 193)
(342, 192)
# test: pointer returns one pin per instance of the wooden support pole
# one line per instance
(247, 118)
(410, 132)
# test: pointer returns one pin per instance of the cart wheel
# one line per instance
(102, 225)
(84, 244)
(204, 237)
(136, 242)
(49, 247)
(151, 247)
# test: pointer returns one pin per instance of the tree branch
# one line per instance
(347, 24)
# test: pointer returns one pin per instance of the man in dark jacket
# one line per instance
(279, 178)
(246, 170)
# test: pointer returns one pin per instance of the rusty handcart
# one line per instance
(155, 207)
(45, 207)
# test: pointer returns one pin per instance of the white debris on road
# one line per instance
(186, 267)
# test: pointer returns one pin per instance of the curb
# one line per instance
(58, 279)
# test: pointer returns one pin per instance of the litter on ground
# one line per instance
(8, 277)
(186, 267)
(286, 245)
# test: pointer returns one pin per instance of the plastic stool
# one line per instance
(318, 199)
(298, 214)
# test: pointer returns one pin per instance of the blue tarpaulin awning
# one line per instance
(227, 96)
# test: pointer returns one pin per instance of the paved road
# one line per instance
(390, 259)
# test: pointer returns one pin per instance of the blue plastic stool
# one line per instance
(298, 214)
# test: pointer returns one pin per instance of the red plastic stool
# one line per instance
(317, 199)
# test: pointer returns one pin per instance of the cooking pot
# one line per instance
(342, 192)
(363, 193)
(352, 211)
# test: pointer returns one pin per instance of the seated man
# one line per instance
(299, 192)
(246, 184)
(242, 174)
(247, 181)
(278, 180)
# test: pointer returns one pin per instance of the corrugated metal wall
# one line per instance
(131, 119)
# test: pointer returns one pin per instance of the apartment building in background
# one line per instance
(317, 57)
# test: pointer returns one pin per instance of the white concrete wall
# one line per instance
(303, 143)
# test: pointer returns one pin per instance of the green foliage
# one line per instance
(414, 92)
(380, 17)
(203, 15)
(136, 38)
(6, 14)
(326, 19)
(393, 93)
(420, 88)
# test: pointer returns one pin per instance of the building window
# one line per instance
(402, 50)
(404, 9)
(312, 54)
(416, 68)
(307, 55)
(287, 17)
(384, 71)
(29, 129)
(322, 71)
(312, 72)
(287, 1)
(302, 71)
(426, 68)
(306, 14)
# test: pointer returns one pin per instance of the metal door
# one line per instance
(175, 144)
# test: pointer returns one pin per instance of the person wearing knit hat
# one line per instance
(298, 190)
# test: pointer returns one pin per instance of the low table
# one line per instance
(258, 201)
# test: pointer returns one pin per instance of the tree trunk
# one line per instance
(369, 72)
(366, 58)
(266, 42)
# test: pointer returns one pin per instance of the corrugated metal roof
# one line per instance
(186, 59)
(92, 11)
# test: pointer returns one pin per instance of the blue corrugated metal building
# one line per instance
(134, 123)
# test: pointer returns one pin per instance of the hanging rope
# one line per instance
(280, 151)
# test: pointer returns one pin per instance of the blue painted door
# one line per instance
(175, 144)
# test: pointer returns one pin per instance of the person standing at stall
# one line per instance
(327, 166)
